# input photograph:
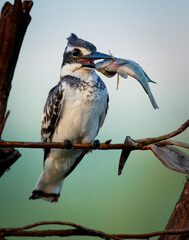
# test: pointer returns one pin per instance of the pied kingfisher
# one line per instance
(75, 110)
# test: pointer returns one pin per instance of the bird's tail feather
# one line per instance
(50, 197)
(46, 190)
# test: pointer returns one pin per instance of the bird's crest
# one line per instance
(74, 41)
(72, 38)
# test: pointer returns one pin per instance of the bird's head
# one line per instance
(80, 55)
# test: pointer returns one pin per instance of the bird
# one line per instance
(74, 112)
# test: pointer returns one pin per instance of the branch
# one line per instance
(128, 144)
(14, 21)
(180, 216)
(79, 230)
(3, 122)
(7, 155)
(169, 156)
(172, 142)
(148, 141)
(102, 146)
(159, 144)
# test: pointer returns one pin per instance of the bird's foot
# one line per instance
(68, 144)
(96, 144)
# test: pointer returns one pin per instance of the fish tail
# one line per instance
(152, 100)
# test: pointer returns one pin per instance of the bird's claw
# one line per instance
(96, 144)
(68, 144)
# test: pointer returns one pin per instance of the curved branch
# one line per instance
(166, 155)
(80, 230)
(147, 141)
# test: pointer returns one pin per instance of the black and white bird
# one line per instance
(75, 110)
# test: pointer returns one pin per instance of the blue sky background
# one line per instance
(156, 35)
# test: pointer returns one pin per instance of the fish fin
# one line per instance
(149, 80)
(122, 73)
(107, 73)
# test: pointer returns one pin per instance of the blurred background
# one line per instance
(155, 34)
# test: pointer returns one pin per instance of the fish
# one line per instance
(124, 67)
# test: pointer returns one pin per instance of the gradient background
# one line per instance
(156, 35)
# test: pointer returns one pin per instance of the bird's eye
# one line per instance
(75, 52)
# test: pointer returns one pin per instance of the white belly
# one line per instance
(79, 121)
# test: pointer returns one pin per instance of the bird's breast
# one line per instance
(82, 108)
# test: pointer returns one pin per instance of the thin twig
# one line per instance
(133, 145)
(147, 141)
(154, 234)
(172, 142)
(103, 146)
(80, 230)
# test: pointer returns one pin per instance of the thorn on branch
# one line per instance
(108, 141)
(124, 155)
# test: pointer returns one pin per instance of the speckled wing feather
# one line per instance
(102, 118)
(51, 114)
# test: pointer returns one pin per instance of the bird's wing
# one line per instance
(77, 161)
(102, 117)
(51, 114)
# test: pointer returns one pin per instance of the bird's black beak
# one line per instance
(88, 60)
(96, 55)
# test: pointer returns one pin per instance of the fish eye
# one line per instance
(75, 52)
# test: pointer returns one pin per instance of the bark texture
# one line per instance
(13, 24)
(180, 216)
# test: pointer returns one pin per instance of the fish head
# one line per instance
(102, 67)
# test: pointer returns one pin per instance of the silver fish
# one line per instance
(124, 68)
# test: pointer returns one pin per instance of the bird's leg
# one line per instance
(68, 144)
(96, 144)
